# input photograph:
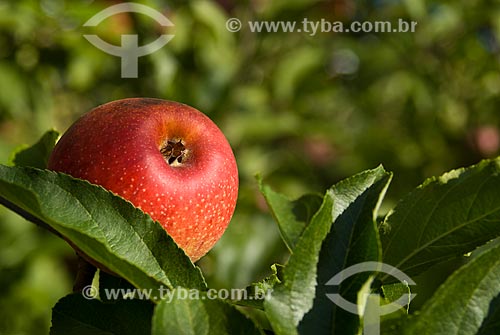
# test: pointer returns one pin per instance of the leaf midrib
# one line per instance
(425, 245)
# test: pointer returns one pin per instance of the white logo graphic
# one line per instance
(373, 307)
(129, 51)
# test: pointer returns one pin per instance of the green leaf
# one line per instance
(461, 304)
(445, 217)
(186, 312)
(101, 225)
(292, 216)
(291, 299)
(353, 239)
(75, 315)
(38, 154)
(350, 204)
(491, 325)
(393, 292)
(257, 292)
(391, 323)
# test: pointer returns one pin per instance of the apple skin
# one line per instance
(166, 158)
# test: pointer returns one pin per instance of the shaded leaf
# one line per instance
(293, 298)
(75, 315)
(445, 217)
(353, 239)
(461, 304)
(119, 287)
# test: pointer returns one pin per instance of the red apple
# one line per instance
(166, 158)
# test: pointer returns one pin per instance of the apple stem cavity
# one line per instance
(174, 152)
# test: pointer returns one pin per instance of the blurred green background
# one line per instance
(304, 110)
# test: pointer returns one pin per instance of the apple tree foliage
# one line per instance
(442, 220)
